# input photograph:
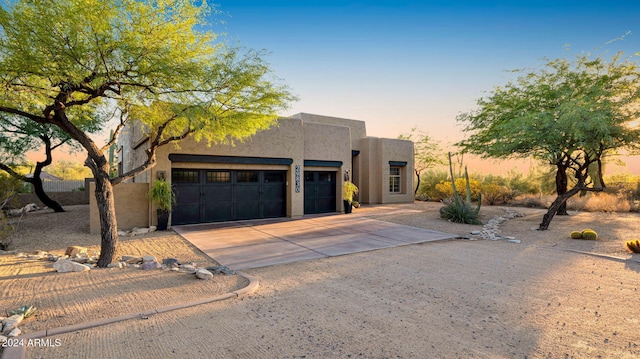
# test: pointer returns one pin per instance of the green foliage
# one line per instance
(495, 194)
(589, 234)
(633, 245)
(68, 62)
(567, 114)
(162, 195)
(445, 189)
(69, 170)
(428, 181)
(349, 190)
(457, 210)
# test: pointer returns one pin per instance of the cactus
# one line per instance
(461, 211)
(589, 234)
(633, 245)
(576, 235)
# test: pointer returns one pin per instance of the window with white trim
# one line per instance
(394, 179)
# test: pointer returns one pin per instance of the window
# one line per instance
(270, 177)
(218, 176)
(394, 179)
(247, 176)
(185, 176)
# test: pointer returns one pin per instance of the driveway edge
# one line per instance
(19, 352)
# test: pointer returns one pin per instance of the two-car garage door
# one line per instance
(226, 195)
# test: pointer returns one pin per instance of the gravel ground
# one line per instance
(541, 298)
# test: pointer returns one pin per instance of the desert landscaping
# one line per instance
(541, 295)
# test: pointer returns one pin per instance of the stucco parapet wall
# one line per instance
(358, 129)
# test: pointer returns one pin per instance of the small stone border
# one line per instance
(19, 352)
(491, 230)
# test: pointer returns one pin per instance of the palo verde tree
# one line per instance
(148, 61)
(426, 152)
(19, 135)
(567, 114)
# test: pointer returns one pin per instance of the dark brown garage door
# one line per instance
(226, 195)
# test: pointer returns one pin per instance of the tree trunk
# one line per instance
(562, 182)
(107, 213)
(36, 181)
(415, 192)
(555, 206)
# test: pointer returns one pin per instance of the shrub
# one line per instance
(428, 181)
(445, 189)
(495, 194)
(599, 202)
(633, 245)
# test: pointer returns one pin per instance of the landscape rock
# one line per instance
(74, 250)
(116, 265)
(65, 265)
(515, 241)
(3, 339)
(150, 265)
(171, 262)
(221, 270)
(187, 268)
(149, 259)
(202, 273)
(15, 332)
(491, 230)
(131, 259)
(135, 231)
(9, 324)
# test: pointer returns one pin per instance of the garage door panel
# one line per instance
(186, 214)
(217, 212)
(223, 195)
(247, 210)
(319, 192)
(218, 193)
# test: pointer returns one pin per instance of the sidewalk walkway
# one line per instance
(259, 243)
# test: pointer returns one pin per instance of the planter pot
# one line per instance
(163, 220)
(348, 207)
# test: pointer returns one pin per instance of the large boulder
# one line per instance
(65, 265)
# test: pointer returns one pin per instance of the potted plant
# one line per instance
(348, 191)
(162, 195)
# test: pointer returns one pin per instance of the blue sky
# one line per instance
(405, 63)
(396, 64)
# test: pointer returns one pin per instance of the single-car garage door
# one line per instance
(319, 192)
(204, 196)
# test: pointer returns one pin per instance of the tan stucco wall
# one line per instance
(397, 150)
(357, 128)
(374, 170)
(299, 138)
(281, 141)
(132, 206)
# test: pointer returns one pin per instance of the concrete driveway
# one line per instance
(259, 243)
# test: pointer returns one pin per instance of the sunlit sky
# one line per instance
(399, 64)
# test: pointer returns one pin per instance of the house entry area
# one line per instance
(204, 196)
(319, 192)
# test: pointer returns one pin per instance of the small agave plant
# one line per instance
(25, 310)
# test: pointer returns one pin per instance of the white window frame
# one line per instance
(395, 180)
